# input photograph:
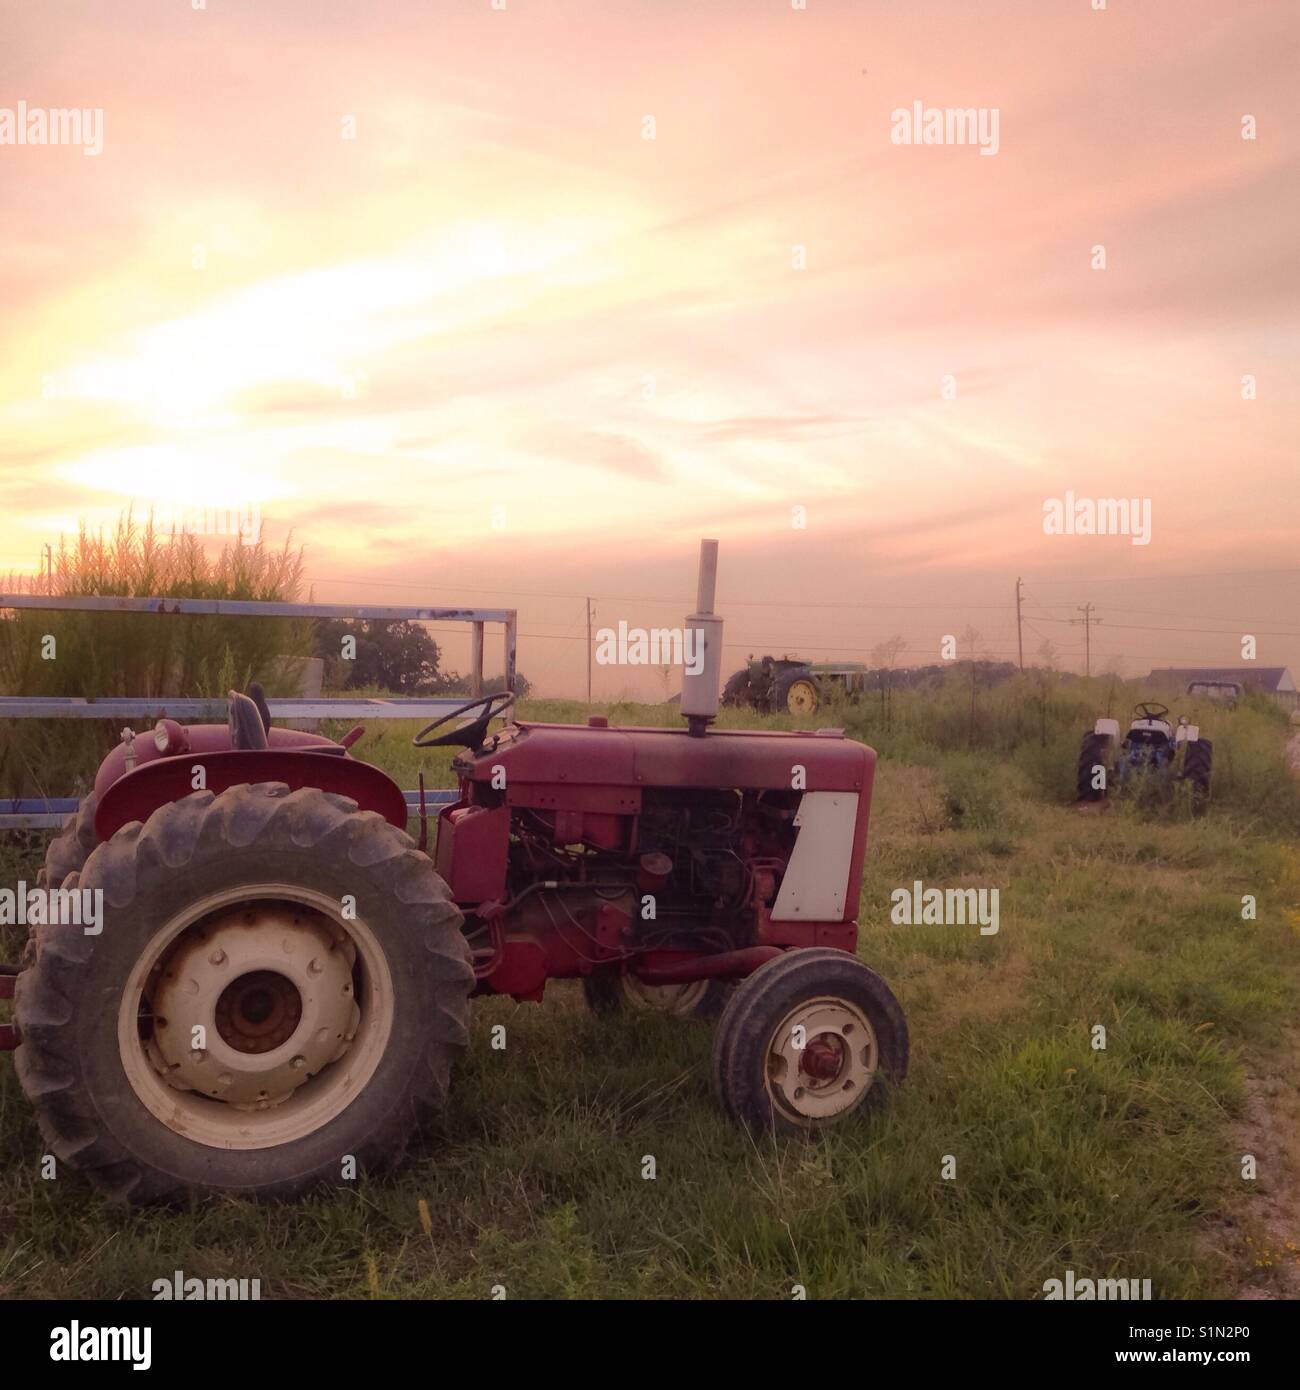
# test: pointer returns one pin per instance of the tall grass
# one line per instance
(52, 653)
(1036, 722)
(1121, 1162)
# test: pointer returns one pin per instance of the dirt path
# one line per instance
(1266, 1238)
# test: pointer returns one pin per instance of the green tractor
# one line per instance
(786, 685)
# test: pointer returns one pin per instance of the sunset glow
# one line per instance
(380, 280)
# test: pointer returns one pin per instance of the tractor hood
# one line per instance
(596, 755)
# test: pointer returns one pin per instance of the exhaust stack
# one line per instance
(700, 687)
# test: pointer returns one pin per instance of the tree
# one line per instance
(397, 656)
(884, 655)
(453, 683)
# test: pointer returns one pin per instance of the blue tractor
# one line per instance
(1154, 751)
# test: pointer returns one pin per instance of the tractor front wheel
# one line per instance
(276, 990)
(807, 1040)
(797, 693)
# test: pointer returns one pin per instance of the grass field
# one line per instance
(1124, 1162)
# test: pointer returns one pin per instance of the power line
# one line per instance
(647, 598)
(1186, 631)
(1165, 578)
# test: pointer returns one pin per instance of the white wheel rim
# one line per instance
(664, 999)
(801, 698)
(295, 1007)
(821, 1060)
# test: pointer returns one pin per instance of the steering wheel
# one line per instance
(1151, 711)
(470, 735)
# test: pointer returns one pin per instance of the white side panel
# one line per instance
(818, 872)
(1107, 726)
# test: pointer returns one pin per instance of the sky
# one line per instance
(512, 306)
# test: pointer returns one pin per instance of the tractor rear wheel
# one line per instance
(1197, 763)
(1095, 753)
(71, 847)
(736, 691)
(797, 693)
(612, 994)
(808, 1039)
(277, 989)
(64, 855)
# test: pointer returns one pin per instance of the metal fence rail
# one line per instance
(175, 707)
(49, 812)
(266, 608)
(44, 813)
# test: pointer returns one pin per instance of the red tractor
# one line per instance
(280, 979)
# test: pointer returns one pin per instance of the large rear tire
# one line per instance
(797, 693)
(1095, 753)
(806, 1041)
(278, 989)
(1198, 762)
(71, 847)
(736, 691)
(64, 856)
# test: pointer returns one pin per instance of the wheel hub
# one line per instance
(258, 1012)
(802, 699)
(250, 1004)
(822, 1059)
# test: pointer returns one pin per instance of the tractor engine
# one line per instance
(576, 851)
(699, 867)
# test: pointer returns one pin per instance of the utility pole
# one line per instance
(49, 569)
(1087, 620)
(1020, 635)
(589, 653)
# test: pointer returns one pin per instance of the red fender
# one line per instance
(140, 792)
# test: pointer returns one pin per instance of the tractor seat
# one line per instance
(244, 720)
(249, 721)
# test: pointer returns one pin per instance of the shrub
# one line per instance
(138, 654)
